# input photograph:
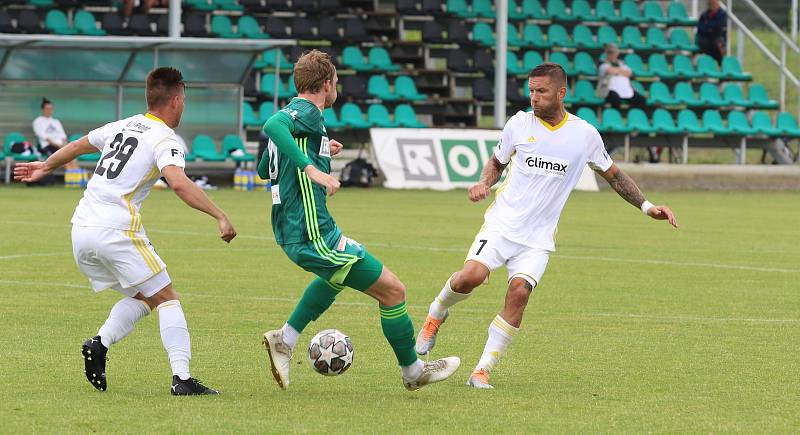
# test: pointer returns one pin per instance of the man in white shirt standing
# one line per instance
(614, 82)
(50, 132)
(109, 243)
(545, 150)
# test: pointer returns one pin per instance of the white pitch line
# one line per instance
(43, 254)
(691, 318)
(54, 284)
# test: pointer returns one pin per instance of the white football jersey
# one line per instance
(545, 164)
(134, 151)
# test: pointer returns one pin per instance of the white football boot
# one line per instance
(433, 371)
(280, 356)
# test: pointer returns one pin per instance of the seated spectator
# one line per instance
(50, 132)
(712, 31)
(614, 83)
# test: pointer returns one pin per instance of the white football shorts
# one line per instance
(493, 250)
(121, 260)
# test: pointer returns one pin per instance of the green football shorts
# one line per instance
(341, 261)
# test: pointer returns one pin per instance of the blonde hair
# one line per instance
(311, 71)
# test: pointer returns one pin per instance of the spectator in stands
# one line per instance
(50, 132)
(614, 83)
(712, 31)
(144, 5)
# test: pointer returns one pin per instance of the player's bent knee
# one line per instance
(165, 294)
(473, 276)
(519, 291)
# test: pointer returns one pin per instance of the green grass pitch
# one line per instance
(636, 327)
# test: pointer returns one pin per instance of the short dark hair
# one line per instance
(162, 84)
(45, 102)
(552, 70)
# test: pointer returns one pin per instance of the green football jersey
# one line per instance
(299, 209)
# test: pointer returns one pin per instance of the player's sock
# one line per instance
(500, 336)
(175, 336)
(318, 297)
(289, 335)
(399, 332)
(446, 299)
(123, 316)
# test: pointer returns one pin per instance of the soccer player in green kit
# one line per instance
(297, 161)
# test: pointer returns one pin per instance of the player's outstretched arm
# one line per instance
(629, 191)
(35, 171)
(490, 175)
(194, 197)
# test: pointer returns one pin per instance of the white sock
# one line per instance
(500, 336)
(123, 316)
(175, 336)
(413, 371)
(290, 335)
(446, 299)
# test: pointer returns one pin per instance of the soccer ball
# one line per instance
(330, 352)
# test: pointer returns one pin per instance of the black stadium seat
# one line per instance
(195, 26)
(457, 61)
(408, 7)
(162, 25)
(278, 5)
(65, 4)
(330, 5)
(484, 61)
(457, 32)
(29, 22)
(112, 23)
(329, 29)
(432, 7)
(304, 6)
(140, 25)
(483, 90)
(276, 27)
(254, 5)
(6, 26)
(355, 30)
(303, 28)
(354, 86)
(432, 33)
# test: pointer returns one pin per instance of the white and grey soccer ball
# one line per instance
(330, 352)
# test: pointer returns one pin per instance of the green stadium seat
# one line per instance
(683, 68)
(404, 87)
(531, 60)
(380, 60)
(265, 111)
(762, 123)
(230, 144)
(93, 157)
(557, 11)
(589, 116)
(292, 86)
(638, 122)
(739, 124)
(707, 67)
(57, 23)
(759, 98)
(513, 37)
(533, 37)
(482, 33)
(712, 121)
(732, 69)
(634, 62)
(605, 11)
(201, 5)
(561, 59)
(688, 122)
(484, 8)
(378, 86)
(639, 88)
(268, 60)
(331, 120)
(733, 95)
(557, 36)
(533, 9)
(249, 118)
(12, 138)
(205, 149)
(607, 35)
(581, 11)
(42, 3)
(227, 5)
(352, 57)
(684, 94)
(222, 27)
(86, 25)
(787, 124)
(632, 38)
(585, 95)
(653, 13)
(657, 63)
(680, 40)
(660, 95)
(378, 116)
(709, 94)
(663, 122)
(583, 38)
(630, 13)
(405, 116)
(268, 86)
(677, 15)
(656, 39)
(514, 11)
(513, 65)
(249, 28)
(352, 116)
(583, 64)
(459, 8)
(612, 121)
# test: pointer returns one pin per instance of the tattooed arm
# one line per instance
(629, 191)
(491, 173)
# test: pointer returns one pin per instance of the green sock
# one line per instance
(319, 295)
(399, 331)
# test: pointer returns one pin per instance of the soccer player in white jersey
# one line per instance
(546, 151)
(108, 240)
